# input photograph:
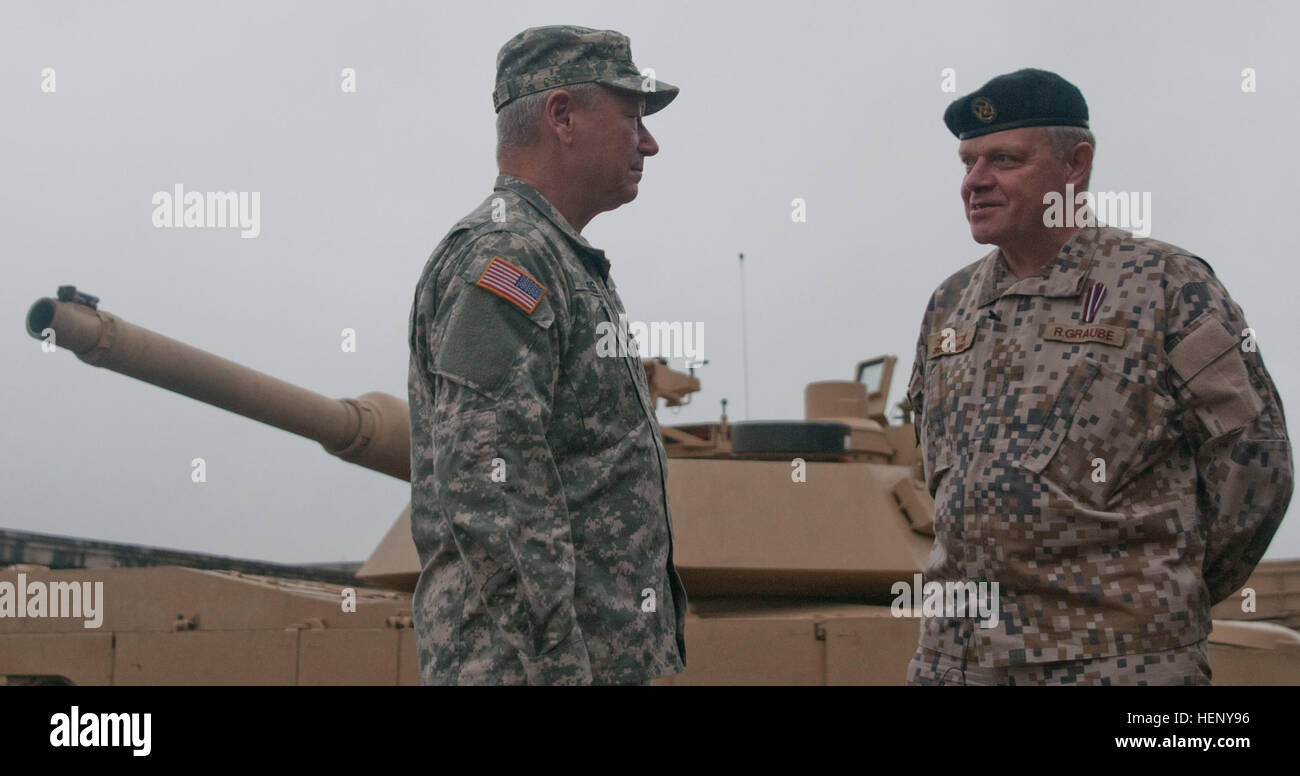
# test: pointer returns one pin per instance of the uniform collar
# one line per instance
(594, 257)
(1063, 276)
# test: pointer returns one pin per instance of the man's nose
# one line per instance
(647, 145)
(978, 178)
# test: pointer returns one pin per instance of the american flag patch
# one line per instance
(1092, 302)
(512, 284)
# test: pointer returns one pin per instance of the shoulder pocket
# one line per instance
(485, 340)
(1208, 360)
(513, 287)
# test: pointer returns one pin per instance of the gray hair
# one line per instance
(1064, 139)
(518, 121)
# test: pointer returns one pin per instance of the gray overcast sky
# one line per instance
(835, 102)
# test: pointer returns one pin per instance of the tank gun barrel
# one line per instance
(371, 430)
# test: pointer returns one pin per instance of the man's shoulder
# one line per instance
(500, 222)
(962, 277)
(501, 228)
(948, 293)
(1174, 265)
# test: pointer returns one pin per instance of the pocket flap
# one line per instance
(1206, 339)
(1059, 419)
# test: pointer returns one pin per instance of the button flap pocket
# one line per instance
(1215, 373)
(1061, 416)
(1204, 340)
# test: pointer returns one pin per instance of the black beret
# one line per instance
(1025, 98)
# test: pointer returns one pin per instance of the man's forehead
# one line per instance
(621, 99)
(629, 99)
(1021, 139)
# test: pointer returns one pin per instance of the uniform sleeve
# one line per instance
(916, 386)
(916, 395)
(497, 485)
(1233, 420)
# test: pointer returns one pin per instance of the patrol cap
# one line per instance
(1025, 98)
(541, 58)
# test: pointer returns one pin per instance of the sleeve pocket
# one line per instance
(465, 449)
(1208, 361)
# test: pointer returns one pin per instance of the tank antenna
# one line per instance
(744, 339)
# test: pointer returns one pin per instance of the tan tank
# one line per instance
(789, 538)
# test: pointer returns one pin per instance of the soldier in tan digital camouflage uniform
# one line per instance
(1097, 427)
(539, 506)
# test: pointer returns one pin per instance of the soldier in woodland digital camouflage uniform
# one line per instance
(539, 506)
(1097, 427)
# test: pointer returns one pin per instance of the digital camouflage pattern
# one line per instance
(542, 58)
(1021, 401)
(563, 572)
(1188, 665)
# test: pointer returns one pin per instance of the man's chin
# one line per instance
(983, 236)
(628, 194)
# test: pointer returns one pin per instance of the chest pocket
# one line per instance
(604, 356)
(1102, 432)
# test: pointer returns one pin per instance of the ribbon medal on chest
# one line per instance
(1087, 330)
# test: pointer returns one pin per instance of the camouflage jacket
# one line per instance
(1103, 441)
(539, 504)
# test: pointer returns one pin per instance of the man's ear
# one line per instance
(557, 115)
(1079, 163)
